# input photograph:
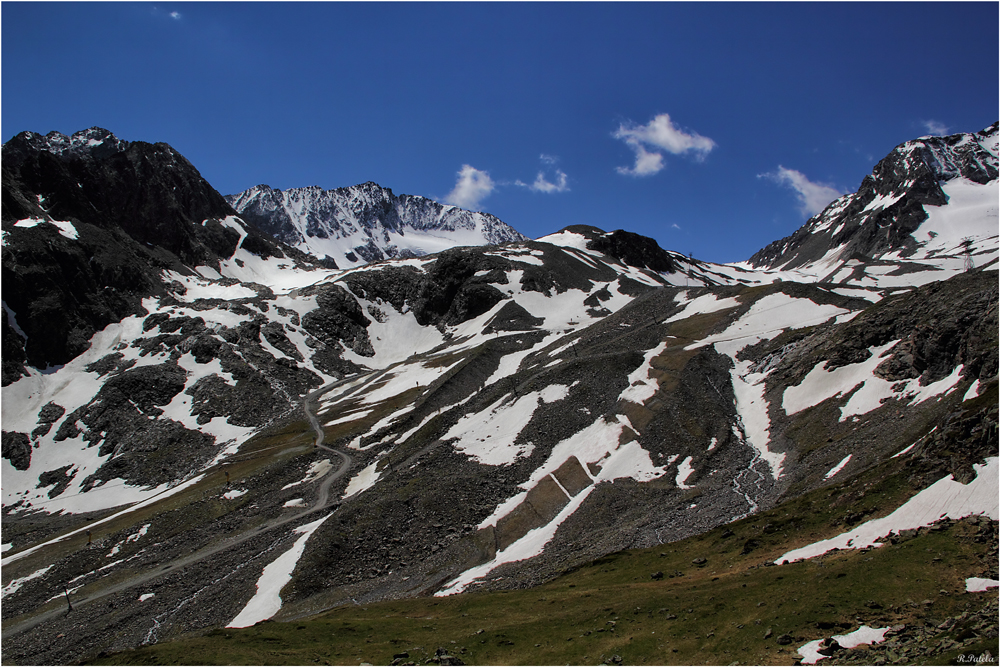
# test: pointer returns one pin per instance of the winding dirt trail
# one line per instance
(13, 627)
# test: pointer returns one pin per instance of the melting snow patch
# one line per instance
(973, 391)
(530, 545)
(837, 468)
(267, 601)
(978, 585)
(863, 635)
(642, 387)
(146, 596)
(900, 453)
(295, 502)
(235, 493)
(363, 481)
(684, 471)
(489, 437)
(17, 583)
(316, 470)
(706, 303)
(944, 498)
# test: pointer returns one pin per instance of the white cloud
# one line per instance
(471, 188)
(542, 185)
(936, 128)
(813, 197)
(175, 15)
(659, 134)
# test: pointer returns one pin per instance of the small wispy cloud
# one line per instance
(175, 16)
(659, 134)
(471, 188)
(543, 184)
(935, 128)
(813, 197)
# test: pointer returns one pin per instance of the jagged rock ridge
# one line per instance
(365, 223)
(885, 214)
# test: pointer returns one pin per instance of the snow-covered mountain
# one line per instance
(366, 223)
(480, 418)
(928, 208)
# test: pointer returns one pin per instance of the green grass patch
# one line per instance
(730, 608)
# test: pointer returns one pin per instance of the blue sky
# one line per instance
(715, 128)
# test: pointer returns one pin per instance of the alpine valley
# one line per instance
(350, 426)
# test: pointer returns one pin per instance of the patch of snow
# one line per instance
(972, 392)
(234, 493)
(315, 471)
(14, 585)
(489, 438)
(706, 303)
(684, 471)
(978, 585)
(837, 468)
(642, 387)
(266, 602)
(363, 481)
(295, 502)
(528, 546)
(146, 596)
(863, 635)
(900, 453)
(944, 498)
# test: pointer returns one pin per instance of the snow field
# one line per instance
(363, 481)
(978, 584)
(529, 546)
(489, 437)
(14, 585)
(65, 228)
(837, 468)
(944, 498)
(642, 387)
(266, 602)
(863, 635)
(820, 384)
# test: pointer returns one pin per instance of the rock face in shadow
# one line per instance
(133, 210)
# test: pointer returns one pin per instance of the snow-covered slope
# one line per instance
(365, 223)
(927, 211)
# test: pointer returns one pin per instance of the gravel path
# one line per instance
(322, 502)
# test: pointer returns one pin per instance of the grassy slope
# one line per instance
(730, 609)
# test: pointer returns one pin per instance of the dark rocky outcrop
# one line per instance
(17, 449)
(135, 208)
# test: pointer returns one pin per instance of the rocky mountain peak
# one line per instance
(889, 205)
(366, 222)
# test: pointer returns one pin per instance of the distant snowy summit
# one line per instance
(366, 223)
(930, 203)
